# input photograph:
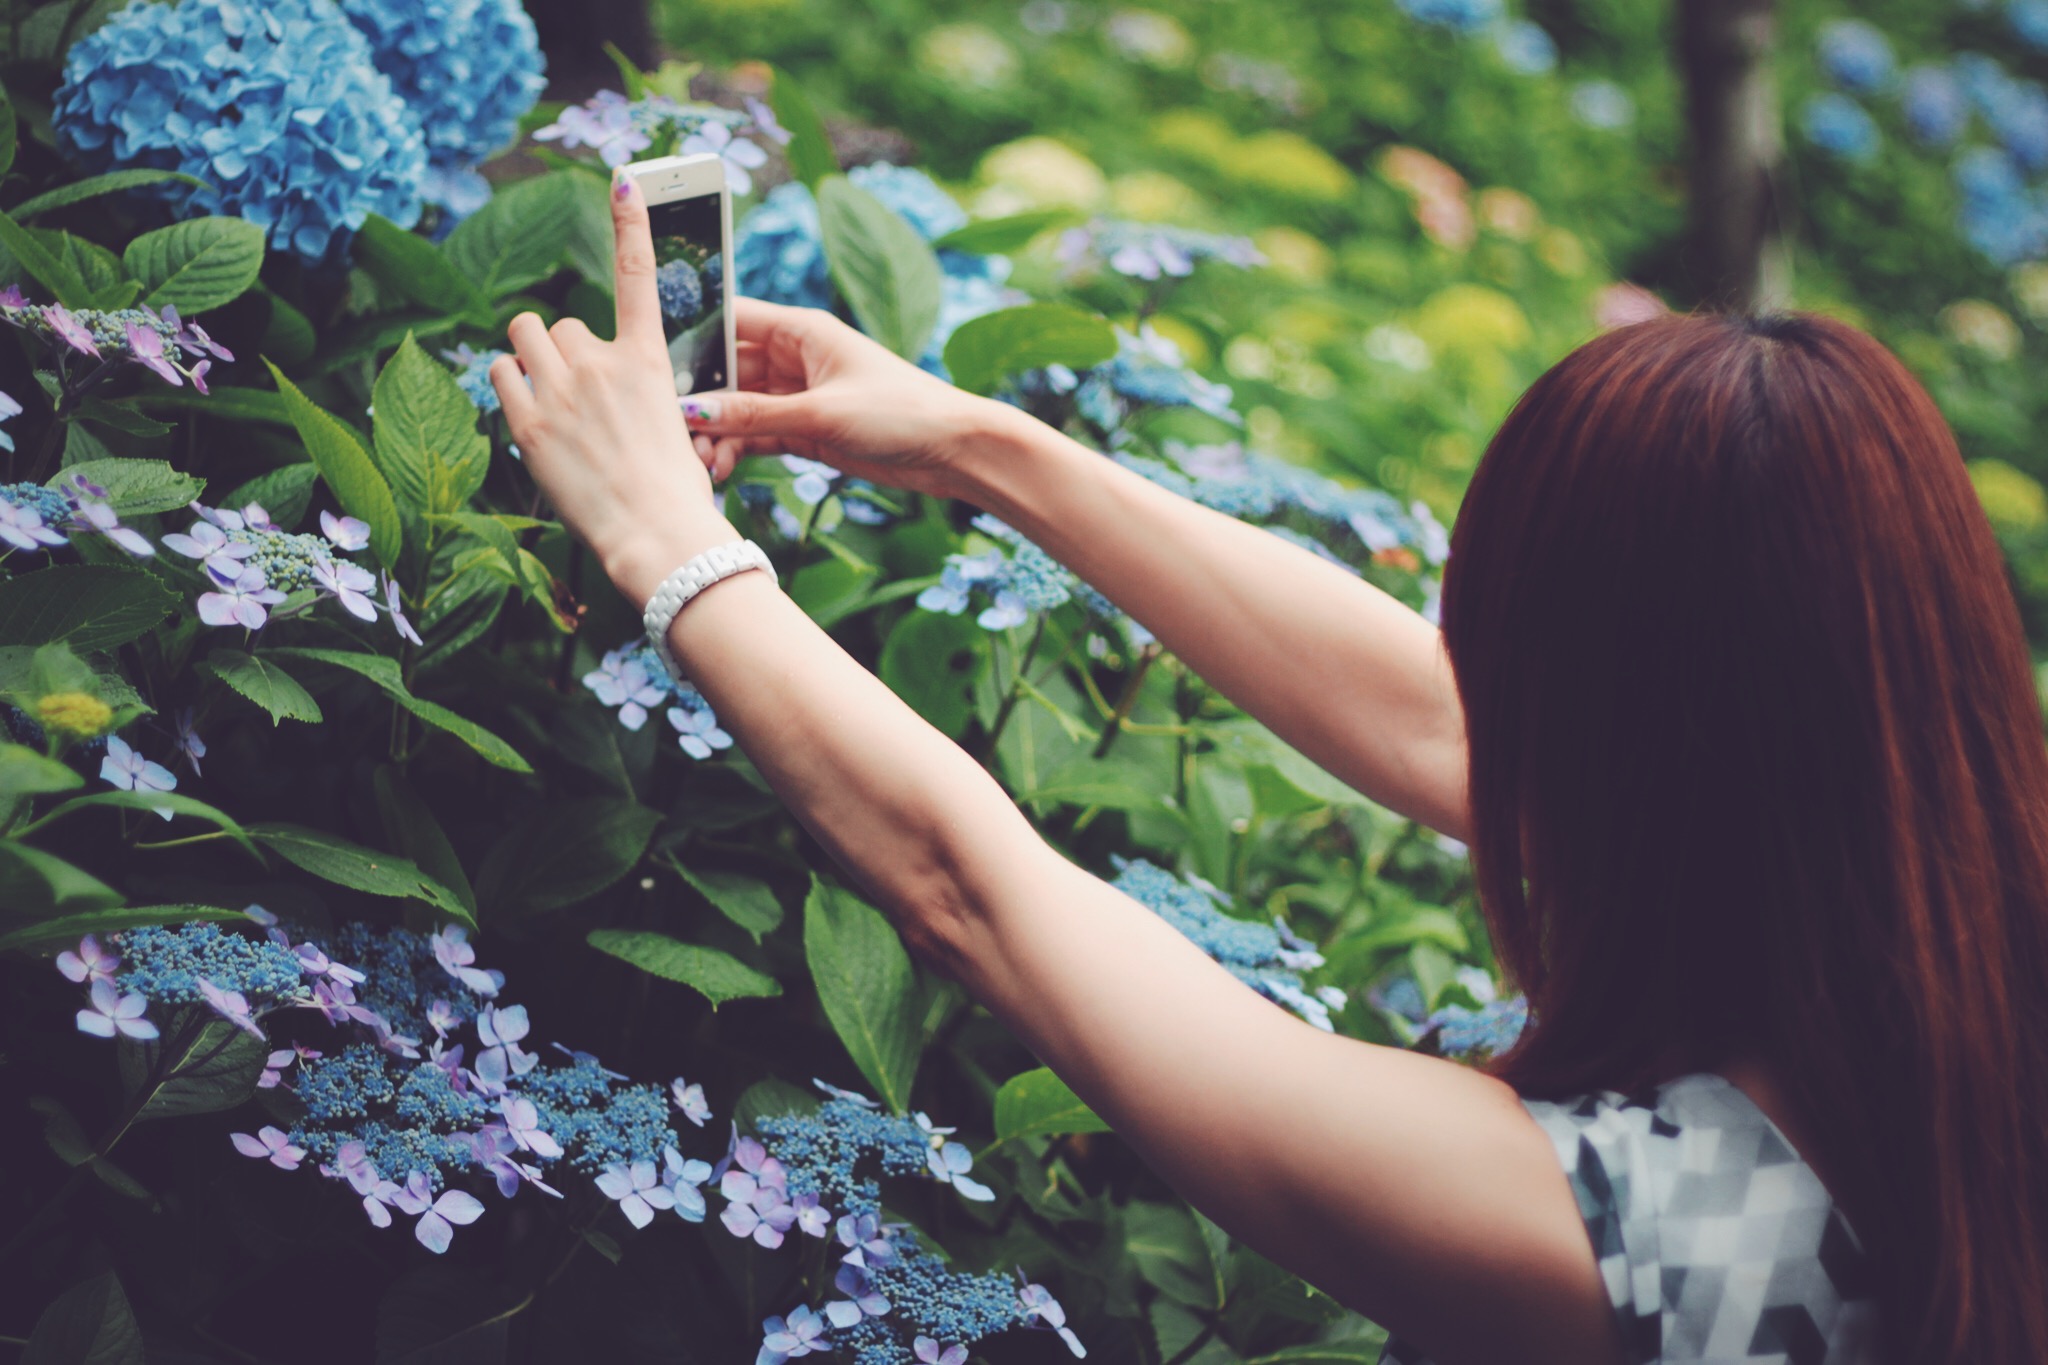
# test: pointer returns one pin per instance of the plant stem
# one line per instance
(1016, 692)
(1126, 699)
(187, 839)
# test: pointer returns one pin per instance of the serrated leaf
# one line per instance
(88, 606)
(198, 1064)
(198, 264)
(384, 671)
(718, 977)
(516, 239)
(884, 270)
(983, 351)
(427, 443)
(89, 1324)
(65, 930)
(368, 870)
(264, 683)
(747, 901)
(288, 336)
(565, 852)
(346, 467)
(409, 822)
(809, 150)
(224, 401)
(416, 270)
(1170, 1251)
(1001, 236)
(113, 182)
(867, 987)
(1040, 1104)
(136, 487)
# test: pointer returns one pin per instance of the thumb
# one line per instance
(787, 416)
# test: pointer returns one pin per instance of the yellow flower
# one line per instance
(1042, 173)
(1197, 135)
(1294, 253)
(2030, 283)
(1466, 318)
(1154, 197)
(1288, 163)
(968, 54)
(78, 715)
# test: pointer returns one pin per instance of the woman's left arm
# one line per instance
(1413, 1189)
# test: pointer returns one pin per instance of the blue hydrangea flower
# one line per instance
(1462, 16)
(1603, 105)
(1527, 48)
(1149, 251)
(1856, 55)
(467, 69)
(2001, 214)
(473, 373)
(278, 106)
(2029, 19)
(681, 291)
(1462, 1031)
(1936, 107)
(1839, 125)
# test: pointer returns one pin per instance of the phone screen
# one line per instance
(689, 274)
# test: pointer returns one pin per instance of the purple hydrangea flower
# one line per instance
(684, 1177)
(113, 1012)
(148, 349)
(70, 330)
(636, 1189)
(1035, 1301)
(950, 1162)
(800, 1334)
(928, 1352)
(350, 533)
(272, 1145)
(243, 602)
(690, 1099)
(100, 517)
(522, 1121)
(739, 155)
(851, 1097)
(393, 605)
(273, 1068)
(453, 951)
(90, 962)
(862, 1298)
(697, 732)
(813, 479)
(867, 1240)
(625, 683)
(205, 541)
(502, 1058)
(232, 1006)
(23, 528)
(349, 582)
(190, 746)
(438, 1216)
(130, 771)
(604, 123)
(813, 1219)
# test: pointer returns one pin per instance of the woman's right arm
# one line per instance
(1340, 670)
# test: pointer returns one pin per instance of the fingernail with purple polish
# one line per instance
(623, 188)
(701, 409)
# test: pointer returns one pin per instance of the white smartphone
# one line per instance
(690, 210)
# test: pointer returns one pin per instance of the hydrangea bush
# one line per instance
(391, 942)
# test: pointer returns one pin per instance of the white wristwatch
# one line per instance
(692, 577)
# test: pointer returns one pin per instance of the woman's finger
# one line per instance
(513, 394)
(633, 250)
(537, 352)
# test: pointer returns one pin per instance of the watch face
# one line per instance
(689, 274)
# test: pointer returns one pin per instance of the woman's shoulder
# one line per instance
(1715, 1239)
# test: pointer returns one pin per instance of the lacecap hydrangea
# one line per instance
(467, 69)
(279, 107)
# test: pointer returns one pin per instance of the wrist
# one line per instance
(996, 447)
(637, 564)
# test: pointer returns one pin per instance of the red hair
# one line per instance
(1758, 768)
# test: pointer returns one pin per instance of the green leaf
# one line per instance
(88, 606)
(125, 419)
(933, 661)
(198, 264)
(261, 681)
(416, 270)
(885, 271)
(867, 987)
(43, 265)
(1167, 1246)
(384, 671)
(150, 801)
(564, 852)
(747, 901)
(362, 869)
(1040, 1104)
(409, 823)
(93, 186)
(35, 882)
(89, 1324)
(1001, 236)
(284, 492)
(518, 238)
(82, 447)
(427, 442)
(65, 930)
(24, 772)
(984, 351)
(225, 402)
(772, 1098)
(1323, 1353)
(718, 977)
(136, 487)
(67, 1139)
(199, 1064)
(810, 153)
(346, 466)
(9, 133)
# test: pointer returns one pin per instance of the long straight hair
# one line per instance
(1758, 769)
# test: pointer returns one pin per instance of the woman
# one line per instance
(1733, 707)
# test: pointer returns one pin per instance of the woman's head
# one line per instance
(1757, 768)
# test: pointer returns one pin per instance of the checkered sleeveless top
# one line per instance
(1718, 1244)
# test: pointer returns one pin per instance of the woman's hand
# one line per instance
(601, 428)
(813, 386)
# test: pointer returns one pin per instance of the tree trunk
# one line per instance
(1739, 201)
(573, 34)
